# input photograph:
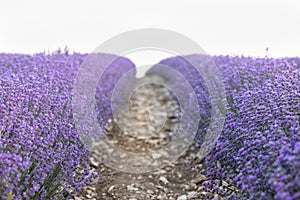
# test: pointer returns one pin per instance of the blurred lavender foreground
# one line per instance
(258, 151)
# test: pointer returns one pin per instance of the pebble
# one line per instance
(183, 197)
(200, 179)
(131, 188)
(150, 192)
(192, 194)
(164, 180)
(94, 163)
(110, 188)
(162, 197)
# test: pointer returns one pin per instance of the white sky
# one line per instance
(220, 27)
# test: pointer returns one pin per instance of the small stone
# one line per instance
(162, 197)
(178, 174)
(185, 187)
(183, 197)
(200, 179)
(109, 127)
(150, 192)
(131, 188)
(192, 194)
(162, 171)
(160, 187)
(94, 163)
(225, 183)
(110, 188)
(156, 155)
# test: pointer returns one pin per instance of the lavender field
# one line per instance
(258, 151)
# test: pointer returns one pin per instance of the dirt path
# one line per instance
(175, 181)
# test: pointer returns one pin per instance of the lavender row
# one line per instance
(258, 149)
(41, 154)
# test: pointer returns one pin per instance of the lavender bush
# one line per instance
(41, 155)
(258, 150)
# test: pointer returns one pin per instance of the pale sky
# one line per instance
(219, 27)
